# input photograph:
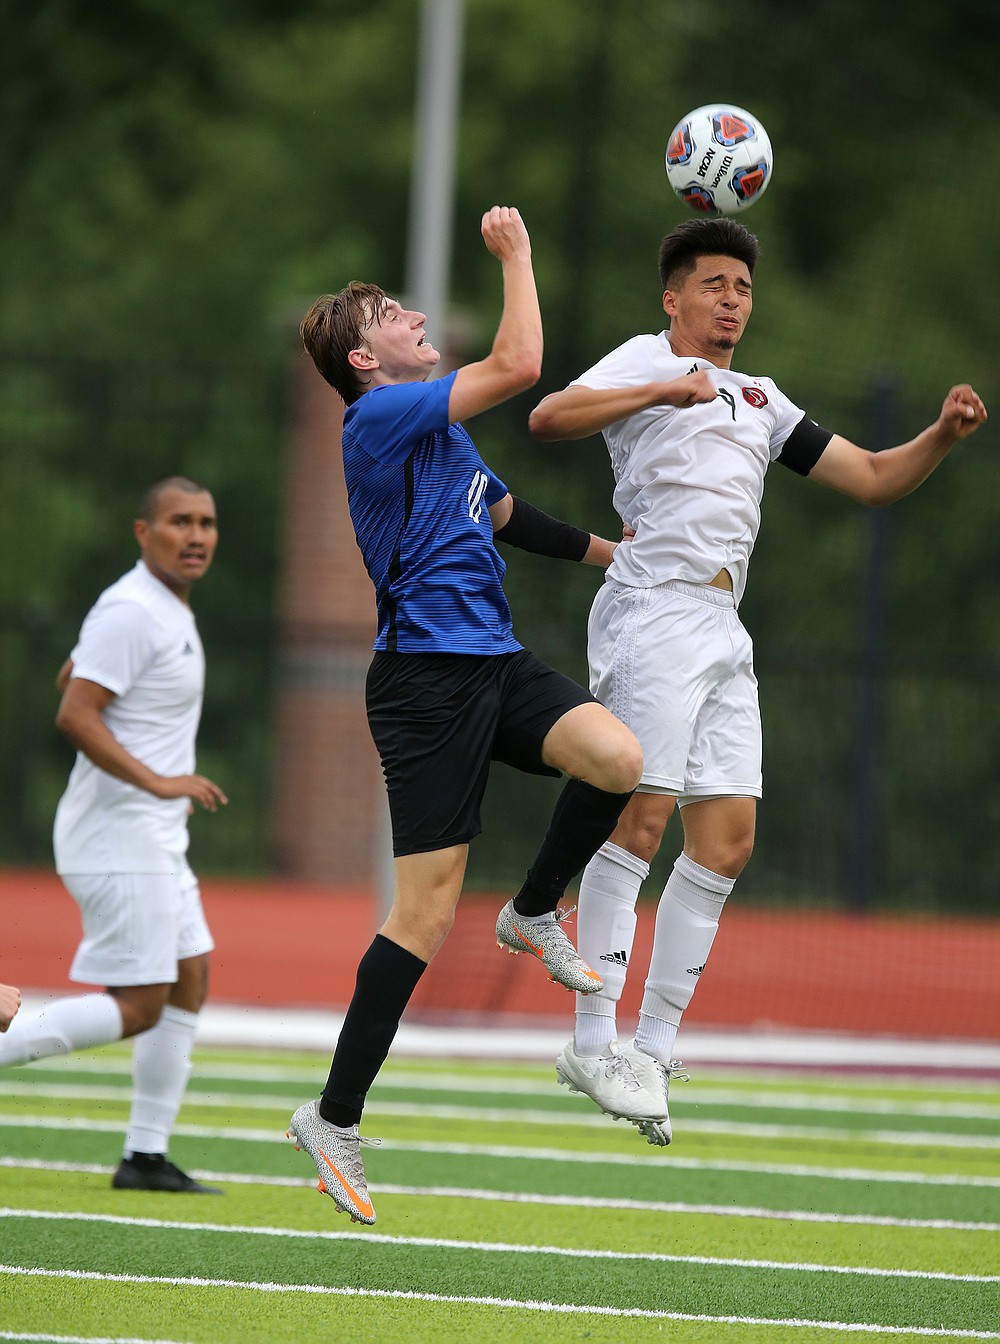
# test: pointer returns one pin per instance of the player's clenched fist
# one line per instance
(10, 1001)
(504, 232)
(694, 389)
(963, 411)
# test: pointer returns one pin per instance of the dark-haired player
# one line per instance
(690, 442)
(131, 701)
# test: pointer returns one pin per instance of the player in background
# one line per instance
(450, 689)
(690, 441)
(10, 1001)
(131, 700)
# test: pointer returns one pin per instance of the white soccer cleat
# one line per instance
(622, 1086)
(656, 1131)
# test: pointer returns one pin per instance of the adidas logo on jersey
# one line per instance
(619, 958)
(696, 970)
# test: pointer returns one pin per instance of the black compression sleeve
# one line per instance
(804, 446)
(530, 529)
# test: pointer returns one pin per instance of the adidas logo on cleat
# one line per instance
(619, 958)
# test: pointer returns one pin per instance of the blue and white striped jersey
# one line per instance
(419, 495)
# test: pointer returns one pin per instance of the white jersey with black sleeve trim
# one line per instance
(690, 480)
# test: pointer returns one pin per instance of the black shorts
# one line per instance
(440, 719)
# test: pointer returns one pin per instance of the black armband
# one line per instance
(804, 446)
(530, 529)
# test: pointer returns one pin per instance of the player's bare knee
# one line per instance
(421, 931)
(439, 925)
(738, 855)
(738, 858)
(641, 826)
(620, 769)
(726, 856)
(140, 1007)
(641, 836)
(190, 990)
(632, 765)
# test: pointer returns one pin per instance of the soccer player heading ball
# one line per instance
(690, 442)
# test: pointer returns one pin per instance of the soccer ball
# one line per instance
(719, 159)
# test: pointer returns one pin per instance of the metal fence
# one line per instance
(882, 777)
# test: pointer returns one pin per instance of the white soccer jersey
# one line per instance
(689, 480)
(139, 641)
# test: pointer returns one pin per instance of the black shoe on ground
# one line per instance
(145, 1171)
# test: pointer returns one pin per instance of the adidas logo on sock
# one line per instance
(696, 970)
(619, 958)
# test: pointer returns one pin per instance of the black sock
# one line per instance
(582, 820)
(387, 976)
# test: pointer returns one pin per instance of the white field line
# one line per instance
(494, 1247)
(81, 1339)
(503, 1151)
(554, 1201)
(560, 1118)
(562, 1308)
(699, 1094)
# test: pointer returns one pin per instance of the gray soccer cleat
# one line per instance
(657, 1132)
(623, 1087)
(545, 940)
(337, 1154)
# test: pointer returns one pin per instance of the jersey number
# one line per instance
(476, 492)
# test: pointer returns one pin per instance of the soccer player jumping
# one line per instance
(690, 441)
(450, 689)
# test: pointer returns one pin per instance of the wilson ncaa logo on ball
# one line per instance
(719, 159)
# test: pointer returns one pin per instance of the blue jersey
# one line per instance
(419, 495)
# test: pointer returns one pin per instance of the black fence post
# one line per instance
(867, 848)
(26, 763)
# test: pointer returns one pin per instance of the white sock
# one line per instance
(77, 1023)
(687, 920)
(161, 1063)
(605, 932)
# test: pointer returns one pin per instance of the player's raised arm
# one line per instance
(882, 478)
(515, 362)
(578, 411)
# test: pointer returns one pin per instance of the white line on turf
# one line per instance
(549, 1155)
(236, 1026)
(553, 1118)
(493, 1247)
(562, 1308)
(556, 1201)
(700, 1093)
(82, 1339)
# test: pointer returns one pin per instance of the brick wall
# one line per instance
(328, 806)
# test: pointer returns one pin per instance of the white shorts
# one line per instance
(675, 664)
(137, 926)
